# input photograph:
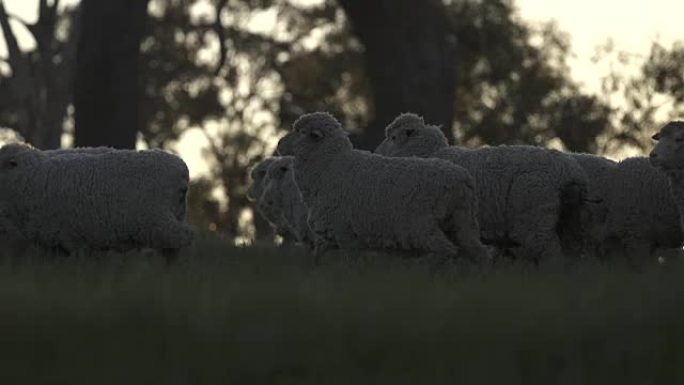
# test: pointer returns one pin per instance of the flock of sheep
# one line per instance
(417, 194)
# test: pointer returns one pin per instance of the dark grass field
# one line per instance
(266, 316)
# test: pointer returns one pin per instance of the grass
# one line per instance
(261, 315)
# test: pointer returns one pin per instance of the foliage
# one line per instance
(203, 209)
(36, 91)
(644, 99)
(514, 82)
(234, 315)
(208, 67)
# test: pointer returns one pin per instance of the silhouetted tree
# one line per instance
(230, 94)
(107, 92)
(645, 101)
(514, 82)
(34, 97)
(410, 55)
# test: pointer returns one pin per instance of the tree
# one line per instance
(230, 94)
(107, 89)
(642, 101)
(514, 85)
(508, 81)
(410, 56)
(35, 96)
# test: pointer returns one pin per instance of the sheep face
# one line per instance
(15, 159)
(258, 175)
(409, 138)
(404, 120)
(272, 199)
(16, 162)
(668, 153)
(314, 134)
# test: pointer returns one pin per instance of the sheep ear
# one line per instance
(316, 134)
(656, 136)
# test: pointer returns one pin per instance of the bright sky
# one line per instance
(632, 24)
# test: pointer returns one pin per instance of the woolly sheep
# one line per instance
(668, 157)
(526, 194)
(255, 191)
(282, 199)
(117, 200)
(360, 200)
(642, 214)
(78, 151)
(258, 175)
(598, 170)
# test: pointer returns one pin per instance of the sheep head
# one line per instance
(16, 161)
(15, 156)
(258, 175)
(408, 135)
(314, 135)
(272, 198)
(668, 153)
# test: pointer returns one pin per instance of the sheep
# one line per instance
(115, 200)
(598, 170)
(523, 191)
(668, 157)
(11, 242)
(642, 214)
(359, 200)
(283, 200)
(258, 174)
(77, 151)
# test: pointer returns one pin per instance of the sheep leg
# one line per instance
(171, 234)
(323, 237)
(535, 231)
(465, 230)
(438, 243)
(636, 250)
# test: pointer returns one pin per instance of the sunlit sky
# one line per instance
(631, 24)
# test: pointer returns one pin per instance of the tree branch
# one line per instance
(16, 60)
(220, 33)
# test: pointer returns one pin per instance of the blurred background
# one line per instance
(217, 81)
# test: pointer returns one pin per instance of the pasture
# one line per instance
(264, 315)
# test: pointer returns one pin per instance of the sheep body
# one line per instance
(598, 170)
(522, 190)
(360, 200)
(120, 199)
(78, 151)
(668, 157)
(642, 214)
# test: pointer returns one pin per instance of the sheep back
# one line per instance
(110, 200)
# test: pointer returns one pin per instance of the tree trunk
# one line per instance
(107, 89)
(411, 61)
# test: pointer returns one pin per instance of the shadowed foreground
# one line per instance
(225, 315)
